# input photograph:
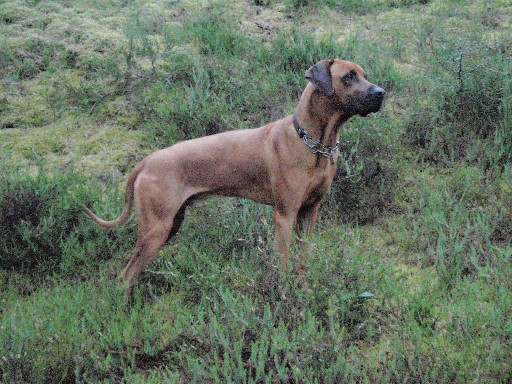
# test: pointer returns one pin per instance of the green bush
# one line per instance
(28, 58)
(362, 189)
(294, 51)
(43, 227)
(464, 114)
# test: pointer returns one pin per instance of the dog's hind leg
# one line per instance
(178, 220)
(160, 214)
(149, 242)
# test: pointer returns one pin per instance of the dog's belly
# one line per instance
(262, 196)
(198, 200)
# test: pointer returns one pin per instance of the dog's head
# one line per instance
(347, 86)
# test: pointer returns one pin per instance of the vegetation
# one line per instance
(409, 271)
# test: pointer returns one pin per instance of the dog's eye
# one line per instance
(349, 77)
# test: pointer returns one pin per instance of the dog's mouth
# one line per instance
(373, 108)
(369, 105)
(373, 101)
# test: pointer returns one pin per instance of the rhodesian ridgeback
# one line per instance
(289, 164)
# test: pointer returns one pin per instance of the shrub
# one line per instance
(465, 112)
(43, 227)
(294, 51)
(216, 32)
(362, 189)
(466, 115)
(85, 332)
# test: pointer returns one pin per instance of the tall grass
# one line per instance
(459, 227)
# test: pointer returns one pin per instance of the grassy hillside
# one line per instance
(409, 271)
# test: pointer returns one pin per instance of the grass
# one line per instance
(409, 271)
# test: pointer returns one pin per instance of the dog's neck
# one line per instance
(320, 117)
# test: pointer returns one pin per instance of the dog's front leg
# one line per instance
(306, 219)
(306, 222)
(283, 234)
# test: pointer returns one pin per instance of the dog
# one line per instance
(288, 164)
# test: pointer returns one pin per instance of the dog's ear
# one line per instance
(320, 75)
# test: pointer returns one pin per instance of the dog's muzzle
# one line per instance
(375, 97)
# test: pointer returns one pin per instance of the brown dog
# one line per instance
(288, 164)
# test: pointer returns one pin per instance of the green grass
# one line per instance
(409, 270)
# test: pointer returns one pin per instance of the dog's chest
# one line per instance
(318, 187)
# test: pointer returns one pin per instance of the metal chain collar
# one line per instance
(316, 147)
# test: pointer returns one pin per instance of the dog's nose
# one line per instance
(377, 91)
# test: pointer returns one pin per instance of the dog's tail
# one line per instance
(128, 202)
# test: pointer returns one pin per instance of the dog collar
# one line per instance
(316, 147)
